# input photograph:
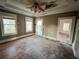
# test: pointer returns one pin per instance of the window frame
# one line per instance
(31, 20)
(2, 26)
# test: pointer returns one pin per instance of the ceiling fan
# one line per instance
(39, 5)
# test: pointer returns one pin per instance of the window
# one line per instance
(39, 23)
(9, 26)
(29, 24)
(66, 27)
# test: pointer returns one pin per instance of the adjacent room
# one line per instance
(39, 29)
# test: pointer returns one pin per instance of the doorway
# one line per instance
(39, 27)
(65, 29)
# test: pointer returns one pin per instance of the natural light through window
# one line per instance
(29, 24)
(66, 27)
(39, 23)
(9, 26)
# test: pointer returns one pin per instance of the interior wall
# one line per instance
(0, 28)
(34, 28)
(51, 23)
(50, 26)
(20, 25)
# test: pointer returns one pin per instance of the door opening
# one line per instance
(39, 27)
(65, 29)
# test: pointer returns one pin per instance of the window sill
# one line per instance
(9, 34)
(15, 38)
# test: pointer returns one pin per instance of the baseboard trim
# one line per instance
(51, 38)
(15, 38)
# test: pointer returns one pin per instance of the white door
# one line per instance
(39, 27)
(65, 30)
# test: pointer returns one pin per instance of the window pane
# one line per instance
(8, 21)
(28, 26)
(66, 27)
(29, 23)
(9, 26)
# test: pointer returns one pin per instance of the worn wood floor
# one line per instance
(35, 47)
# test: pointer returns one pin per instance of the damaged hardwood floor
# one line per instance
(35, 47)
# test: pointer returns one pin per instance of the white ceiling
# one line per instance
(62, 6)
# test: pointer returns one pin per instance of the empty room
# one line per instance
(39, 29)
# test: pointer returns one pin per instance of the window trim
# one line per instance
(2, 27)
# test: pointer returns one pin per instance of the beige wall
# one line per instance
(21, 24)
(50, 26)
(51, 23)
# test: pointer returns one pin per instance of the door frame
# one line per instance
(72, 27)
